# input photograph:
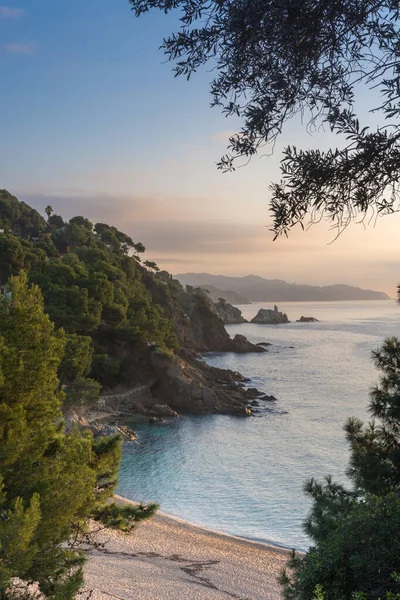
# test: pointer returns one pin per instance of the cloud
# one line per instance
(6, 12)
(171, 227)
(187, 234)
(20, 48)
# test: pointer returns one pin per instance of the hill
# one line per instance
(133, 333)
(257, 289)
(228, 295)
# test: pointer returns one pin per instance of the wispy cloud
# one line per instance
(20, 48)
(6, 12)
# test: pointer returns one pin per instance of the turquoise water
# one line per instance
(244, 476)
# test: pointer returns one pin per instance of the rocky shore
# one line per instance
(177, 385)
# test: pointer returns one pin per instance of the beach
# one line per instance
(168, 559)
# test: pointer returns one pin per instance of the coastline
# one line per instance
(211, 532)
(167, 558)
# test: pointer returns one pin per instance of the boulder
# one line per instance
(267, 398)
(163, 410)
(242, 345)
(252, 393)
(267, 316)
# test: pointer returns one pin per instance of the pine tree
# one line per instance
(375, 447)
(50, 481)
(356, 531)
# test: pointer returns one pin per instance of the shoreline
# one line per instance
(274, 546)
(167, 558)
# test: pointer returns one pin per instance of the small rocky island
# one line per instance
(266, 316)
(307, 320)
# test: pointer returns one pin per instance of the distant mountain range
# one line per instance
(230, 296)
(256, 289)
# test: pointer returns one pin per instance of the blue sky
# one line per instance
(93, 122)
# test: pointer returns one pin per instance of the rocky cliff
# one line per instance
(230, 315)
(196, 318)
(170, 385)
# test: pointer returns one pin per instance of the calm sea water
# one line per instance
(245, 476)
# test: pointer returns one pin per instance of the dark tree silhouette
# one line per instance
(273, 59)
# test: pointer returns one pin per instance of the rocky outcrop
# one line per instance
(175, 384)
(241, 344)
(198, 388)
(99, 429)
(229, 314)
(197, 323)
(307, 320)
(266, 316)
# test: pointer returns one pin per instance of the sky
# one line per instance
(93, 122)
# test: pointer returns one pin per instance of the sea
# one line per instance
(245, 476)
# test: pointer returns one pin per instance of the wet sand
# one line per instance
(169, 559)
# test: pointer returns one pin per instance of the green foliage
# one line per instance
(18, 218)
(82, 391)
(277, 59)
(357, 531)
(12, 257)
(36, 457)
(77, 359)
(124, 517)
(50, 482)
(319, 593)
(92, 288)
(375, 447)
(360, 554)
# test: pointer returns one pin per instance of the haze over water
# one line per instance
(245, 476)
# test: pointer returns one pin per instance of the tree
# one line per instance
(50, 482)
(12, 257)
(49, 211)
(279, 58)
(361, 554)
(357, 531)
(151, 265)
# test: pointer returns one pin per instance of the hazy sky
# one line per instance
(93, 123)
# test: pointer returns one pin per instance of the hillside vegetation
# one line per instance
(114, 310)
(92, 288)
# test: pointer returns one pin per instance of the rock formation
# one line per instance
(307, 320)
(266, 316)
(175, 384)
(229, 314)
(197, 323)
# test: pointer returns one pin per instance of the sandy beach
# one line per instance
(168, 559)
